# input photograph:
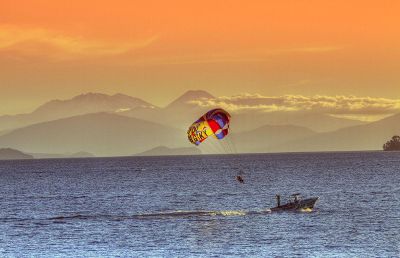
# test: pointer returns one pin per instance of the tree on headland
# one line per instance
(393, 144)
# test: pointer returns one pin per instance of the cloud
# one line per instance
(56, 45)
(238, 56)
(315, 49)
(19, 41)
(335, 105)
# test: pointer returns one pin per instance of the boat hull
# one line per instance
(305, 204)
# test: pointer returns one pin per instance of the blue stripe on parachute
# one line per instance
(220, 135)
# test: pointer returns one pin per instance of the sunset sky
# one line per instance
(156, 50)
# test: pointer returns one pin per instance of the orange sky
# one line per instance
(158, 49)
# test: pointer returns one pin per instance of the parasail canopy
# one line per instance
(213, 123)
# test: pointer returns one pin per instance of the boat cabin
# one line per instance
(295, 197)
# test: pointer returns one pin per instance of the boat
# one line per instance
(295, 203)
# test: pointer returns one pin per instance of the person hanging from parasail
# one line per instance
(240, 179)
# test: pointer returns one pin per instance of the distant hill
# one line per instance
(315, 121)
(165, 151)
(363, 137)
(191, 95)
(81, 154)
(264, 138)
(7, 154)
(102, 134)
(82, 104)
(4, 132)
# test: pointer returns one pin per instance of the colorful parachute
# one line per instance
(215, 122)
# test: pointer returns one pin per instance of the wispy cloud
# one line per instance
(335, 105)
(313, 49)
(57, 45)
(238, 56)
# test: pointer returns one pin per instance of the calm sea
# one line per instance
(191, 206)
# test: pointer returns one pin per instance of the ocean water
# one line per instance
(191, 206)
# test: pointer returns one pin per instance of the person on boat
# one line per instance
(239, 178)
(278, 200)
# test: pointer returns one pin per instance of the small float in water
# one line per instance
(295, 203)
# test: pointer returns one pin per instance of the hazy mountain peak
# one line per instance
(94, 96)
(90, 95)
(120, 95)
(196, 94)
(190, 96)
(89, 103)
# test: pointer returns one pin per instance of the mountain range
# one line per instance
(102, 134)
(113, 125)
(370, 136)
(79, 105)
